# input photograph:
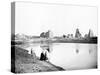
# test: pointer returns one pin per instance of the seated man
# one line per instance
(43, 56)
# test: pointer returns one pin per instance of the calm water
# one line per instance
(74, 56)
(69, 55)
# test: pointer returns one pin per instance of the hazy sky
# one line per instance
(34, 18)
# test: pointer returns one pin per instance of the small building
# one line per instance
(78, 34)
(47, 34)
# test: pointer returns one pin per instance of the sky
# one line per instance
(35, 18)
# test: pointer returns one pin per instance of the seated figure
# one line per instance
(43, 56)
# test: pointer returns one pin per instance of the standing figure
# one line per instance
(33, 55)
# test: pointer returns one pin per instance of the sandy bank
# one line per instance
(22, 62)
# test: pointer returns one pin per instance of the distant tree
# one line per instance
(68, 36)
(71, 35)
(86, 36)
(64, 36)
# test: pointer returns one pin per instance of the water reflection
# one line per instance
(46, 50)
(77, 48)
(67, 55)
(90, 51)
(77, 51)
(74, 55)
(46, 46)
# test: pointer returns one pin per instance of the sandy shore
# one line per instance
(22, 62)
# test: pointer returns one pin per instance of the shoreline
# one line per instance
(57, 40)
(26, 63)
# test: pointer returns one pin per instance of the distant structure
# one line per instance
(90, 34)
(70, 36)
(50, 34)
(42, 35)
(64, 36)
(47, 34)
(78, 34)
